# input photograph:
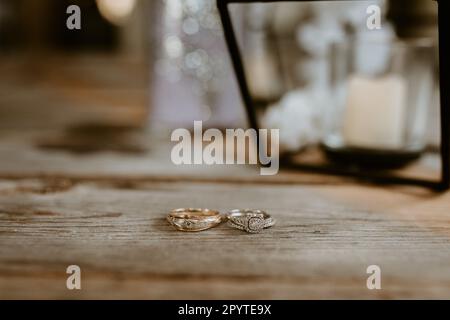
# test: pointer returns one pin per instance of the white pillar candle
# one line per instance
(375, 112)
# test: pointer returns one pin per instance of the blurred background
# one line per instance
(159, 65)
(132, 58)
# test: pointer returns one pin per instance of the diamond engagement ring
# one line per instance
(194, 220)
(252, 221)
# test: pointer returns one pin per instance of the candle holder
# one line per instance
(352, 136)
(377, 117)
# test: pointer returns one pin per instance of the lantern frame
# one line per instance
(442, 184)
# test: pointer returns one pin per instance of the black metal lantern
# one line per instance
(441, 184)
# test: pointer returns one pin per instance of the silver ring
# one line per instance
(252, 221)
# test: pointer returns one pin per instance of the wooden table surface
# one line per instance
(105, 212)
(98, 199)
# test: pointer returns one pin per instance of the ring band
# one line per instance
(194, 220)
(252, 221)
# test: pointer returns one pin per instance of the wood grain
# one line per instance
(325, 238)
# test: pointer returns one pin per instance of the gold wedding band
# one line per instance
(194, 220)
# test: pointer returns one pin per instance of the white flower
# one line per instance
(298, 117)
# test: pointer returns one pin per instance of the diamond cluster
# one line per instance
(251, 224)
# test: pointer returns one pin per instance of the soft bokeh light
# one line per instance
(116, 11)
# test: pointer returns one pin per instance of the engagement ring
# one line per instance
(252, 221)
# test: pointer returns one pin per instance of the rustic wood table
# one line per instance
(105, 212)
(99, 201)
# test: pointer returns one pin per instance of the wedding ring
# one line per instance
(252, 221)
(194, 220)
